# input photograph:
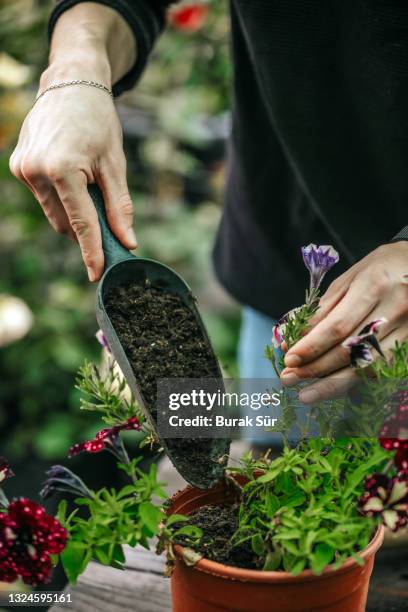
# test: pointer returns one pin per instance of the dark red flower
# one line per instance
(388, 498)
(401, 452)
(28, 536)
(104, 438)
(189, 18)
(5, 471)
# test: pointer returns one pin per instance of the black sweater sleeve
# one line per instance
(146, 19)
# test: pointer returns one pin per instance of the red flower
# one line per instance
(104, 438)
(388, 498)
(5, 471)
(189, 18)
(401, 452)
(28, 536)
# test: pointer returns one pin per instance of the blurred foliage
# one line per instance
(174, 123)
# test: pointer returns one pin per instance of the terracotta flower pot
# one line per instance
(213, 587)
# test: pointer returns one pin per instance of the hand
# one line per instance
(377, 286)
(72, 136)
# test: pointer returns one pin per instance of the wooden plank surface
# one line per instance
(140, 588)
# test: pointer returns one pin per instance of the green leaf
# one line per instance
(176, 518)
(292, 501)
(267, 477)
(359, 560)
(118, 554)
(62, 511)
(298, 567)
(190, 530)
(72, 559)
(321, 557)
(150, 515)
(272, 561)
(258, 545)
(272, 504)
(125, 491)
(102, 556)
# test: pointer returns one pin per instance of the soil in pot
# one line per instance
(218, 524)
(162, 339)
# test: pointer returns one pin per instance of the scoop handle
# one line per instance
(113, 250)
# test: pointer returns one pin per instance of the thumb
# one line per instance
(118, 205)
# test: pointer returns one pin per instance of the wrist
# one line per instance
(83, 64)
(90, 41)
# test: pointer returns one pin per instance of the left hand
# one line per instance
(376, 286)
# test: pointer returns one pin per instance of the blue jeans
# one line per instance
(256, 331)
(255, 334)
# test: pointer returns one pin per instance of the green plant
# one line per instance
(302, 512)
(113, 519)
(104, 521)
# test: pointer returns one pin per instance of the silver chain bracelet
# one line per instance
(76, 82)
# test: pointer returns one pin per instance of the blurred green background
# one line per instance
(175, 124)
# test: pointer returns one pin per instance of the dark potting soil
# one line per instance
(218, 524)
(162, 339)
(160, 336)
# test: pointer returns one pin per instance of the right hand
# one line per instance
(72, 137)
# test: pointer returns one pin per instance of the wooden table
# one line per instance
(143, 588)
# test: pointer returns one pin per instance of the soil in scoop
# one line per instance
(218, 524)
(161, 339)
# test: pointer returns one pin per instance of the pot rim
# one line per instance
(230, 572)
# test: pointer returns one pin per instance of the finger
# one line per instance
(45, 194)
(357, 304)
(54, 211)
(118, 203)
(340, 382)
(73, 193)
(338, 356)
(15, 166)
(334, 386)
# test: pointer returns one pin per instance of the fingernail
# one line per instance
(91, 275)
(308, 396)
(131, 237)
(292, 361)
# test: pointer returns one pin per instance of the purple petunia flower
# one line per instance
(61, 479)
(359, 346)
(100, 336)
(318, 260)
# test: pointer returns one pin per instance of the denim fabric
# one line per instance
(255, 334)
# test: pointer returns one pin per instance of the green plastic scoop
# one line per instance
(122, 267)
